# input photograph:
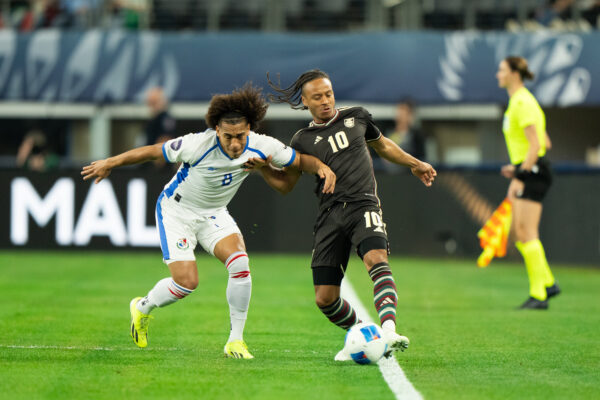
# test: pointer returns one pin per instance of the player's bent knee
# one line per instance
(238, 265)
(322, 302)
(373, 250)
(185, 274)
(375, 257)
(324, 299)
(189, 282)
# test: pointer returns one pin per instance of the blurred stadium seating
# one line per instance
(297, 15)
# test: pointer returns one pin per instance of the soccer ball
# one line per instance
(365, 343)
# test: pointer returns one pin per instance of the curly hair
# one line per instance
(242, 105)
(293, 93)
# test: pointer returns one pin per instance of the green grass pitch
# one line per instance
(64, 332)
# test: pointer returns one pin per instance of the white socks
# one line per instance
(389, 324)
(165, 292)
(239, 290)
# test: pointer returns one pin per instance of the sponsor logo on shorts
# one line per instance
(183, 244)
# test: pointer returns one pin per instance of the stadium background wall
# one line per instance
(440, 221)
(430, 67)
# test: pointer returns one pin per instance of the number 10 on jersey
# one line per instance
(341, 139)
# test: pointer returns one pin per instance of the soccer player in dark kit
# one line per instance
(351, 216)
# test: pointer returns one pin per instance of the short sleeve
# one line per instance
(181, 149)
(283, 155)
(525, 112)
(295, 143)
(372, 132)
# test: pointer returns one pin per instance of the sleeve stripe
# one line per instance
(377, 138)
(292, 159)
(260, 153)
(165, 152)
(205, 154)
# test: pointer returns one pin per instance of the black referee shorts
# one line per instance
(337, 230)
(537, 182)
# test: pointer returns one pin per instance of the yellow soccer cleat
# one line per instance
(237, 349)
(139, 324)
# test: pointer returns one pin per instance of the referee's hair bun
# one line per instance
(519, 64)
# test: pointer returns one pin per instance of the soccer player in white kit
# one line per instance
(192, 208)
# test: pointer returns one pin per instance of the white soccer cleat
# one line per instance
(343, 355)
(395, 342)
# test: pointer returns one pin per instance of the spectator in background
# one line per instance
(554, 9)
(79, 14)
(406, 135)
(591, 12)
(35, 153)
(26, 16)
(161, 126)
(129, 14)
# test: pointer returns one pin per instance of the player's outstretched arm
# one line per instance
(284, 180)
(101, 169)
(313, 165)
(389, 150)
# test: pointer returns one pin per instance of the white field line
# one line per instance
(391, 371)
(85, 348)
(98, 348)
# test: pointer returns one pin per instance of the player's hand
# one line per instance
(256, 163)
(327, 174)
(508, 171)
(97, 169)
(515, 189)
(425, 172)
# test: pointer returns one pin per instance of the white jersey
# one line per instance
(208, 178)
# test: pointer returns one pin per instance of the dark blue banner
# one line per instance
(114, 67)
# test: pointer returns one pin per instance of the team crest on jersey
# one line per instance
(183, 244)
(349, 122)
(176, 145)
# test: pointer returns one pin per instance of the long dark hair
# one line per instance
(293, 93)
(519, 64)
(245, 104)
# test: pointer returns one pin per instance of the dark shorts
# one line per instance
(537, 182)
(337, 230)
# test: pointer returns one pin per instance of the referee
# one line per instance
(524, 128)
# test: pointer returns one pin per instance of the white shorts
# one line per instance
(181, 228)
